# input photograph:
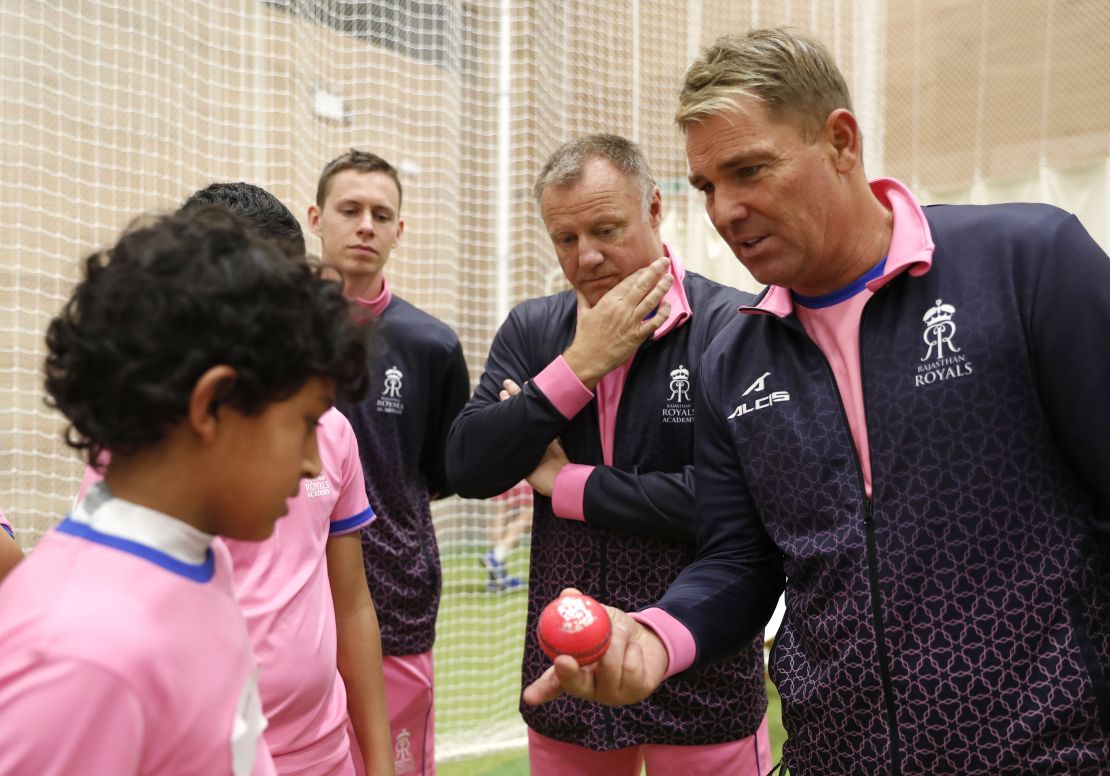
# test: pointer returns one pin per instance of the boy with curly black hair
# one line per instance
(202, 357)
(312, 622)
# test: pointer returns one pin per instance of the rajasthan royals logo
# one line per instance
(393, 382)
(939, 331)
(680, 384)
(403, 761)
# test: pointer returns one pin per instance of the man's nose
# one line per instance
(589, 255)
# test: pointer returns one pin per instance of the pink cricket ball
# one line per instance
(574, 625)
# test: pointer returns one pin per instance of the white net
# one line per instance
(109, 109)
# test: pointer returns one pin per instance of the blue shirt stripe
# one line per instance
(199, 572)
(352, 522)
(840, 294)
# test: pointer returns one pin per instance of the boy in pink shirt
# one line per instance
(293, 586)
(203, 358)
(284, 586)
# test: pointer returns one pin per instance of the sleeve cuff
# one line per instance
(568, 494)
(561, 386)
(676, 638)
(352, 523)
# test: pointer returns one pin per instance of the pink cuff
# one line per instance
(676, 638)
(568, 494)
(561, 386)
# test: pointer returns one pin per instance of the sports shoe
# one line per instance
(499, 578)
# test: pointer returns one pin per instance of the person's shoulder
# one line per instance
(408, 323)
(715, 302)
(336, 436)
(76, 601)
(545, 308)
(986, 224)
(716, 291)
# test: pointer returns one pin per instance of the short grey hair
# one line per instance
(793, 74)
(566, 164)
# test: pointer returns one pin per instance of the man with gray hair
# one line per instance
(588, 394)
(911, 428)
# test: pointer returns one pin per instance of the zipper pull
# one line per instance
(868, 512)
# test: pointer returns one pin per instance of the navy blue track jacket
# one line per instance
(959, 620)
(418, 383)
(638, 530)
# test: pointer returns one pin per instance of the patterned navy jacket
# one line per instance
(959, 620)
(638, 529)
(418, 382)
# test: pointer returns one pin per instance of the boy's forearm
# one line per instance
(360, 665)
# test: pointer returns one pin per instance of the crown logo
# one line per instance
(682, 373)
(942, 313)
(393, 373)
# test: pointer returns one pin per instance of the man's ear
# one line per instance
(314, 220)
(655, 210)
(204, 403)
(843, 135)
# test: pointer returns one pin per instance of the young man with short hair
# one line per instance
(418, 382)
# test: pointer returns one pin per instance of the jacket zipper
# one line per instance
(872, 549)
(873, 569)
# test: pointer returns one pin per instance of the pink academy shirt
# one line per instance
(283, 589)
(124, 651)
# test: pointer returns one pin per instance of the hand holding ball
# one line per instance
(575, 625)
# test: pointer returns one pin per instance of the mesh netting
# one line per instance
(109, 109)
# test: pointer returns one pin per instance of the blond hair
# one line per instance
(793, 74)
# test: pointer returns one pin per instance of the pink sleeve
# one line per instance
(352, 509)
(62, 717)
(676, 638)
(569, 491)
(5, 525)
(561, 386)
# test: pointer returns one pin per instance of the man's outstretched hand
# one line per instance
(629, 671)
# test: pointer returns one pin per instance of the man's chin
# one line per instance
(595, 291)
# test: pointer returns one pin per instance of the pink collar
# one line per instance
(911, 246)
(376, 306)
(676, 296)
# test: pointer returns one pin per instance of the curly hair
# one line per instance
(258, 207)
(171, 300)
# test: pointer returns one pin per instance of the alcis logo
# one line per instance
(761, 402)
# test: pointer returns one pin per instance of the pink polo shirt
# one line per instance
(282, 586)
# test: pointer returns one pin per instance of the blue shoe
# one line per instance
(499, 578)
(511, 583)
